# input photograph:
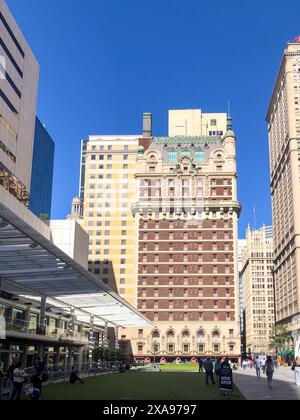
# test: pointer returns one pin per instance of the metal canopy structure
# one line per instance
(31, 265)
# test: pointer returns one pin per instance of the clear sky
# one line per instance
(105, 62)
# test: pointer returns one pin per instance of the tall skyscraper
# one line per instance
(42, 171)
(283, 119)
(186, 216)
(18, 93)
(107, 190)
(257, 278)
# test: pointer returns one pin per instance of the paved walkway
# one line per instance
(257, 389)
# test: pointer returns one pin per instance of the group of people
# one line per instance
(213, 368)
(268, 366)
(17, 377)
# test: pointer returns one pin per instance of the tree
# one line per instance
(44, 217)
(279, 339)
(108, 355)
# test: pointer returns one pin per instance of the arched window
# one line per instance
(216, 338)
(200, 337)
(170, 342)
(186, 342)
(201, 342)
(186, 338)
(170, 337)
(155, 342)
(155, 337)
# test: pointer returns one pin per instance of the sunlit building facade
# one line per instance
(187, 216)
(257, 277)
(18, 94)
(107, 191)
(283, 119)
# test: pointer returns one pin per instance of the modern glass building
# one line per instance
(42, 171)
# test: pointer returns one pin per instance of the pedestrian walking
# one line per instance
(296, 369)
(209, 371)
(218, 366)
(200, 363)
(245, 364)
(257, 367)
(19, 376)
(263, 366)
(10, 378)
(270, 371)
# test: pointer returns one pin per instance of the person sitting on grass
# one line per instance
(75, 378)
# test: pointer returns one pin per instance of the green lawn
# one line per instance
(179, 368)
(138, 386)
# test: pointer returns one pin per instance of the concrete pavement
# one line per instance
(284, 387)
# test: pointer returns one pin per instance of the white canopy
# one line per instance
(31, 265)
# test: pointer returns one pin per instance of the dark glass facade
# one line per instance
(42, 171)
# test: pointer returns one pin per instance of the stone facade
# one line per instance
(257, 276)
(186, 217)
(284, 142)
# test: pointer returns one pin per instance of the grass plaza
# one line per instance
(170, 386)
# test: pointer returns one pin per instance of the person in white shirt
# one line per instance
(296, 369)
(19, 379)
(257, 364)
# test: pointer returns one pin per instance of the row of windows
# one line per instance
(216, 133)
(197, 280)
(108, 157)
(109, 148)
(108, 166)
(197, 315)
(107, 176)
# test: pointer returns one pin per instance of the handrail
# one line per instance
(23, 326)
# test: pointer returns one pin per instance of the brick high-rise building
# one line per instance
(187, 223)
(284, 141)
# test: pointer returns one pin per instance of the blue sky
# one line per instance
(103, 63)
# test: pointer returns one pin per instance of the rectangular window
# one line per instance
(8, 103)
(11, 58)
(10, 81)
(7, 152)
(17, 44)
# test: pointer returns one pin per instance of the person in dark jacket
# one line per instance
(75, 378)
(209, 371)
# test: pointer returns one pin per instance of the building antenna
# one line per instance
(228, 107)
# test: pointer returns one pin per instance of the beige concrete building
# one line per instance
(283, 119)
(18, 93)
(193, 122)
(186, 217)
(107, 190)
(72, 239)
(257, 277)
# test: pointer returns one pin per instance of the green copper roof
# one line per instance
(197, 141)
